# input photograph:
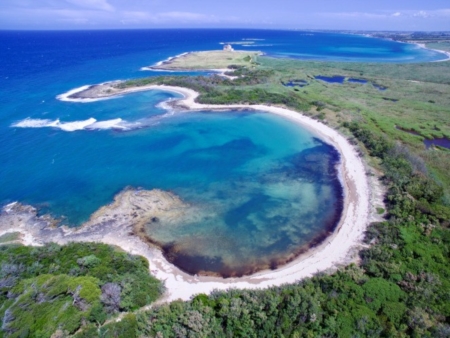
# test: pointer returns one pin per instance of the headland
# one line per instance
(218, 60)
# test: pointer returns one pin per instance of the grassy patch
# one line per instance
(380, 211)
(9, 237)
(439, 45)
(43, 289)
(216, 59)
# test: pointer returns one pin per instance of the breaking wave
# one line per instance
(89, 124)
(93, 124)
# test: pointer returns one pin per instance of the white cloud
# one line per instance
(137, 17)
(52, 17)
(422, 14)
(93, 4)
(440, 13)
(354, 15)
(187, 16)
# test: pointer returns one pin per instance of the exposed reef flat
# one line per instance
(131, 209)
(341, 247)
(138, 207)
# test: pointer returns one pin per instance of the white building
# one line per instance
(228, 48)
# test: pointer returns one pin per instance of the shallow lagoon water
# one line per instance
(266, 189)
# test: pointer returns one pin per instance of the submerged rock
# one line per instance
(139, 207)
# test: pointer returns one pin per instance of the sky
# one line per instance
(411, 15)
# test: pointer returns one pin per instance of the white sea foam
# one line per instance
(159, 63)
(76, 125)
(108, 124)
(149, 68)
(65, 96)
(165, 105)
(255, 45)
(34, 123)
(42, 123)
(117, 124)
(89, 124)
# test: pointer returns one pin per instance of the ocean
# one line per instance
(255, 175)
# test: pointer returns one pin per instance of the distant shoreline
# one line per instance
(419, 44)
(423, 45)
(340, 247)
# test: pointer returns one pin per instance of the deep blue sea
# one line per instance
(267, 186)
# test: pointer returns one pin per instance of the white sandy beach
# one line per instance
(446, 53)
(361, 199)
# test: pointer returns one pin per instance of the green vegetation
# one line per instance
(65, 288)
(439, 45)
(380, 211)
(215, 59)
(9, 237)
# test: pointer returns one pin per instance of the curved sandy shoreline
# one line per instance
(423, 45)
(338, 249)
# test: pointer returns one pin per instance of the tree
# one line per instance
(111, 297)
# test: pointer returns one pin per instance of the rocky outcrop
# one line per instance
(131, 210)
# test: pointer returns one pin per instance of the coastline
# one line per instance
(419, 44)
(198, 62)
(423, 45)
(339, 248)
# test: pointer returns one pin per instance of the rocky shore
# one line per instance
(126, 216)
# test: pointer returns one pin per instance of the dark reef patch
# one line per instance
(274, 237)
(317, 164)
(166, 143)
(237, 151)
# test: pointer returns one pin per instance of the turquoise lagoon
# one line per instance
(266, 188)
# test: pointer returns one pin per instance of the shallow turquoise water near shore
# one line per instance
(266, 187)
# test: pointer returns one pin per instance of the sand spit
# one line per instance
(114, 224)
